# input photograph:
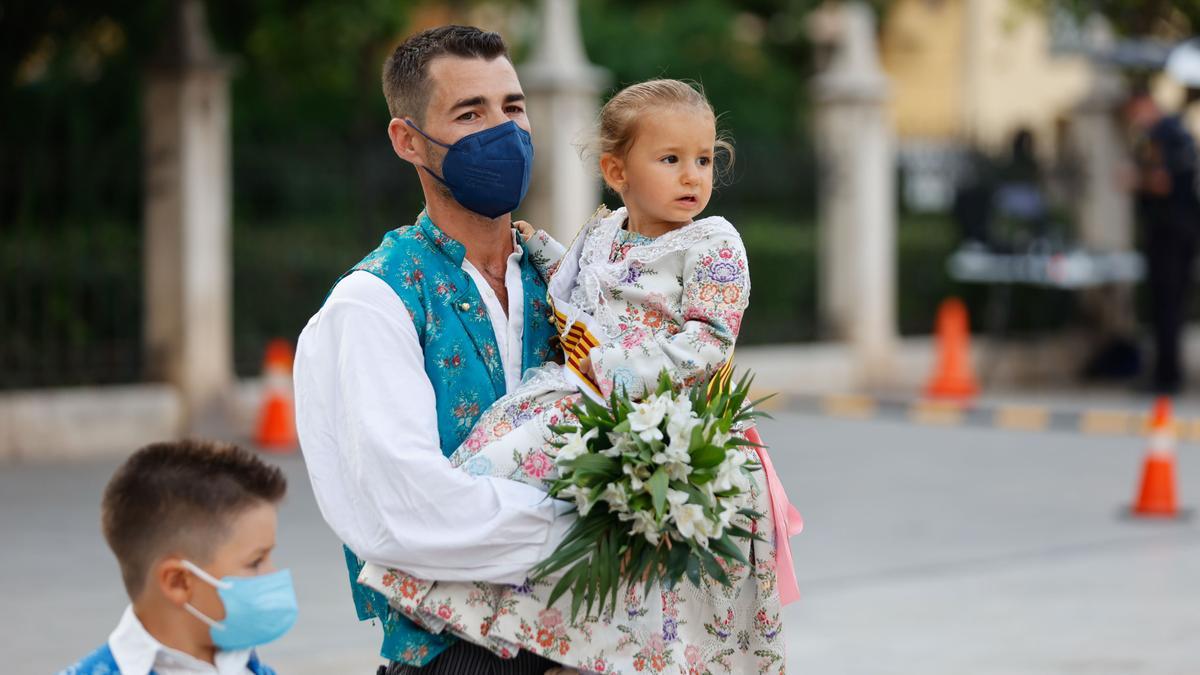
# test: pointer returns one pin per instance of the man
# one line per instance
(1167, 206)
(415, 342)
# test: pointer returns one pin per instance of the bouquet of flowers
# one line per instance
(657, 484)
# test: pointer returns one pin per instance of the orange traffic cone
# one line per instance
(1156, 496)
(953, 377)
(277, 419)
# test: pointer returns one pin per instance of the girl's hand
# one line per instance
(524, 228)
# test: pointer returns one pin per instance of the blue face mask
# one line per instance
(487, 171)
(257, 609)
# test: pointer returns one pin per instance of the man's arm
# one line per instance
(367, 422)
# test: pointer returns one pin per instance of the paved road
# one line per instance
(926, 551)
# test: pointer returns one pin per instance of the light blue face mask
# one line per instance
(257, 609)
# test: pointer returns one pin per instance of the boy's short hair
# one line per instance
(406, 84)
(180, 497)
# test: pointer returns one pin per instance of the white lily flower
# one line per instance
(637, 475)
(676, 497)
(579, 495)
(647, 415)
(576, 446)
(688, 518)
(621, 443)
(730, 474)
(681, 419)
(644, 524)
(616, 496)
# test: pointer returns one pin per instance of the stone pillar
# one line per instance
(187, 211)
(857, 192)
(1103, 208)
(563, 90)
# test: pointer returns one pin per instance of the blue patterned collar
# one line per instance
(449, 246)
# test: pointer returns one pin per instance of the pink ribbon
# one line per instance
(788, 523)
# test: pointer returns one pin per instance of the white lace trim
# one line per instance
(596, 273)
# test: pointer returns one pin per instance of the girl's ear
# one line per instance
(612, 169)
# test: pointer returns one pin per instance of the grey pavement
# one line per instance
(926, 551)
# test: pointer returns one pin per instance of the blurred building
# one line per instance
(969, 74)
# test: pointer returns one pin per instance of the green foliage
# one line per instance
(1170, 19)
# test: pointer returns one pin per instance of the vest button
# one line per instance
(465, 306)
(550, 320)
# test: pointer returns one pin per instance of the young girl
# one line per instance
(642, 289)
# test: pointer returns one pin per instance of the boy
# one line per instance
(192, 525)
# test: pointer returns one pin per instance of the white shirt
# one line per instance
(367, 422)
(510, 331)
(137, 653)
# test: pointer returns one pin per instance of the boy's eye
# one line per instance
(669, 159)
(704, 161)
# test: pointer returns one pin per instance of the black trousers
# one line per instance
(1170, 254)
(464, 658)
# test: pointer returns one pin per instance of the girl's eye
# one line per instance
(669, 159)
(704, 161)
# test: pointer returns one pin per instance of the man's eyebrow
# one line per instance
(468, 103)
(480, 100)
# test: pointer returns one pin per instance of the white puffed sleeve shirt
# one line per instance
(367, 421)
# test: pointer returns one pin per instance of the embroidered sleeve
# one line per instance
(716, 291)
(545, 252)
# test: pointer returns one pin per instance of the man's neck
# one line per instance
(488, 241)
(177, 632)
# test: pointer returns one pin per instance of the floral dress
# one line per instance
(675, 302)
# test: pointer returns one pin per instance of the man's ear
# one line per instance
(612, 169)
(172, 580)
(406, 142)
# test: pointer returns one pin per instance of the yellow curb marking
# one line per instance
(1022, 418)
(848, 405)
(1190, 430)
(1109, 422)
(941, 413)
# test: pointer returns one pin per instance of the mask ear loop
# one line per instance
(212, 581)
(435, 142)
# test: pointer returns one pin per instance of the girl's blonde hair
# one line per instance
(619, 117)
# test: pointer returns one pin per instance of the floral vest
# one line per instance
(423, 266)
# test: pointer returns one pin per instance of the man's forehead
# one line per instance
(456, 78)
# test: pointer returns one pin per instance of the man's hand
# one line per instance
(525, 229)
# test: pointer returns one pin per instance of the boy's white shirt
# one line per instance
(367, 421)
(137, 653)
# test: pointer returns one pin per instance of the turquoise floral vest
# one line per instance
(423, 266)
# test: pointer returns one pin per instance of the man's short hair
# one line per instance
(406, 84)
(180, 497)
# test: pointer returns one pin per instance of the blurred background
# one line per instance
(182, 182)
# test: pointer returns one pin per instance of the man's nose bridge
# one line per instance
(496, 115)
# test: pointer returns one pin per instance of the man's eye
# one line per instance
(515, 110)
(669, 159)
(467, 116)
